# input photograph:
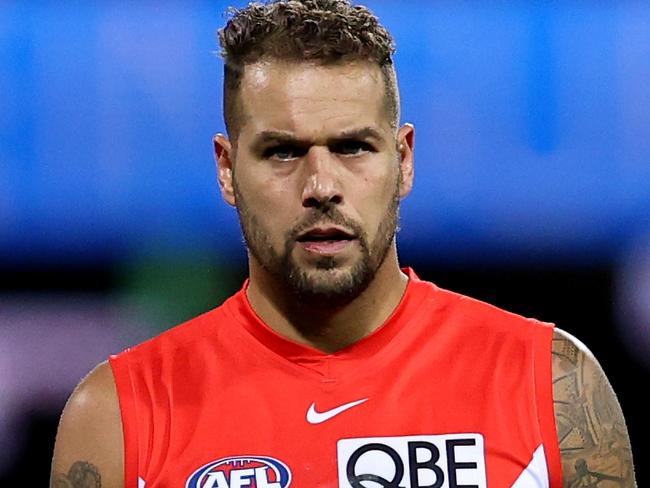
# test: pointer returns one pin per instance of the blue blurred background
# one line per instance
(532, 182)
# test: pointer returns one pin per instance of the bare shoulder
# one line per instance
(594, 443)
(89, 444)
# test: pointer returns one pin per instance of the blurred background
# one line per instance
(532, 182)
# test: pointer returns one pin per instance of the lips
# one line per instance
(326, 240)
(322, 234)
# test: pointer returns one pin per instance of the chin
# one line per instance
(328, 282)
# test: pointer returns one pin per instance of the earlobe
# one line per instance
(223, 158)
(405, 145)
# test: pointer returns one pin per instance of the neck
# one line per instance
(327, 328)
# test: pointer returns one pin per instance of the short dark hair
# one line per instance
(321, 31)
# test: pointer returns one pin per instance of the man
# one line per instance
(333, 367)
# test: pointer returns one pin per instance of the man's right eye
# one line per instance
(282, 153)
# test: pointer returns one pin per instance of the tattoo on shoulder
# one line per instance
(82, 474)
(594, 443)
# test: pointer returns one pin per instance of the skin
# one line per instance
(594, 442)
(88, 452)
(280, 189)
(315, 177)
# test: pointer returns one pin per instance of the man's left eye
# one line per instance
(352, 148)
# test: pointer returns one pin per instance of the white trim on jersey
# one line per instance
(536, 473)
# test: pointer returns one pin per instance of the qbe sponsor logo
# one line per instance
(422, 461)
(241, 472)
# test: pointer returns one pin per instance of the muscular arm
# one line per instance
(89, 446)
(594, 443)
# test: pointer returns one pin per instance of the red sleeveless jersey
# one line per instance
(448, 393)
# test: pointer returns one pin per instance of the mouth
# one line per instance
(326, 241)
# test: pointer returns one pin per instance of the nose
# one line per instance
(321, 185)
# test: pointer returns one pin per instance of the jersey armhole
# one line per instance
(126, 398)
(544, 401)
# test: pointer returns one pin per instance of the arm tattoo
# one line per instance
(594, 444)
(81, 475)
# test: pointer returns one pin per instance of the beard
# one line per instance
(326, 283)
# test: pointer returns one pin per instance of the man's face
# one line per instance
(316, 175)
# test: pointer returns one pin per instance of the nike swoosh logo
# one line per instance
(314, 417)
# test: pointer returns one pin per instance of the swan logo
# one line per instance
(241, 472)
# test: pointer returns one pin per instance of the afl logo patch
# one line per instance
(240, 472)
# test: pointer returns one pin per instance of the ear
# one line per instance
(405, 145)
(223, 158)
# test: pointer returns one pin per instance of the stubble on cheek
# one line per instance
(257, 240)
(325, 279)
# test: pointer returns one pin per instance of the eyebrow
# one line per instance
(281, 137)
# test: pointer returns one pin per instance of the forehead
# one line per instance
(310, 99)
